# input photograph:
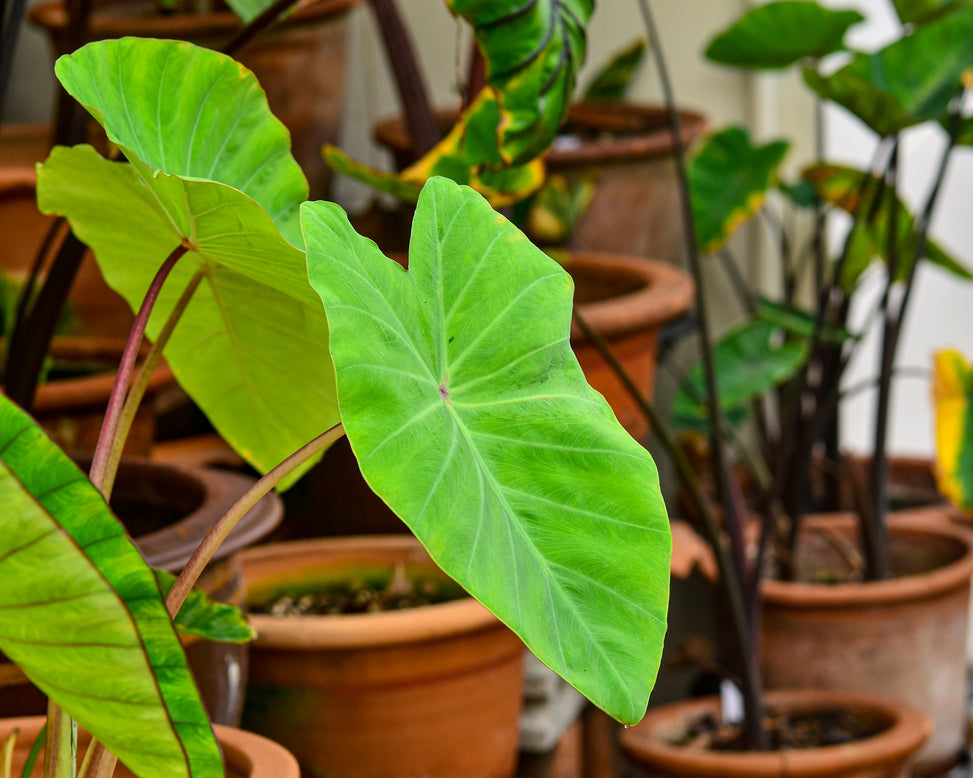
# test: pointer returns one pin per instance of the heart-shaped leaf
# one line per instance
(908, 82)
(778, 34)
(83, 617)
(952, 395)
(471, 418)
(729, 178)
(211, 168)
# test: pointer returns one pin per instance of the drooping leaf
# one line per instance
(388, 183)
(778, 34)
(952, 395)
(471, 418)
(210, 167)
(612, 81)
(749, 360)
(533, 52)
(728, 179)
(204, 617)
(83, 617)
(848, 189)
(919, 11)
(908, 82)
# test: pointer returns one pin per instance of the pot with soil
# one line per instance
(245, 754)
(300, 63)
(627, 150)
(428, 690)
(904, 637)
(168, 510)
(822, 733)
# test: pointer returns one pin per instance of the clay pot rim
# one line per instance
(909, 729)
(222, 489)
(954, 575)
(667, 293)
(90, 391)
(247, 752)
(414, 625)
(392, 133)
(52, 16)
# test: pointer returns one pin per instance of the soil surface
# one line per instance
(363, 596)
(785, 731)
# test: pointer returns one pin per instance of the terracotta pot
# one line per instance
(71, 409)
(626, 300)
(904, 637)
(94, 308)
(168, 510)
(300, 63)
(627, 149)
(429, 691)
(885, 755)
(245, 754)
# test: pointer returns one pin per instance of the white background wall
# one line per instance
(941, 313)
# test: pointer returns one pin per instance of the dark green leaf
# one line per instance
(749, 360)
(83, 616)
(729, 178)
(908, 82)
(801, 193)
(797, 321)
(779, 34)
(613, 79)
(203, 617)
(919, 11)
(470, 416)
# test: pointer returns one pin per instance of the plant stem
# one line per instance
(744, 623)
(98, 762)
(194, 568)
(109, 428)
(413, 95)
(141, 384)
(61, 745)
(262, 22)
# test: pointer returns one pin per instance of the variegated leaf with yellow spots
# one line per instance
(952, 395)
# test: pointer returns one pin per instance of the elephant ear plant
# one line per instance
(782, 365)
(454, 381)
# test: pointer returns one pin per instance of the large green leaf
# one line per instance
(728, 179)
(848, 189)
(82, 615)
(908, 82)
(779, 34)
(471, 418)
(750, 359)
(211, 168)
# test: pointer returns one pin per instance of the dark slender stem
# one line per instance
(744, 622)
(248, 32)
(413, 95)
(10, 24)
(738, 283)
(109, 428)
(204, 552)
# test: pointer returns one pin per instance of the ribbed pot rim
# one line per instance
(647, 741)
(934, 583)
(52, 16)
(663, 293)
(247, 752)
(413, 625)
